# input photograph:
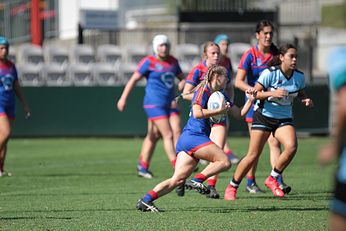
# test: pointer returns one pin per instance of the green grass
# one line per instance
(91, 184)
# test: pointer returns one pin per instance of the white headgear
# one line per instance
(160, 39)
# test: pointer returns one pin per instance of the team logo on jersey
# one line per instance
(158, 66)
(168, 79)
(280, 81)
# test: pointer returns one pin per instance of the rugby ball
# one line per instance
(216, 101)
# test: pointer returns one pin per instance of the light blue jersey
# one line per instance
(273, 78)
(337, 75)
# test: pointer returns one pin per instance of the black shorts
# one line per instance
(338, 203)
(264, 123)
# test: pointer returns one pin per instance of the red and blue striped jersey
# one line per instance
(8, 75)
(160, 75)
(254, 62)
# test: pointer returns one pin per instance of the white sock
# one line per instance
(275, 174)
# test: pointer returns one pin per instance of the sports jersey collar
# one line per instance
(261, 56)
(287, 77)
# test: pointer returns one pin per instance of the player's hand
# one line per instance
(181, 85)
(27, 111)
(326, 154)
(279, 93)
(121, 105)
(251, 93)
(308, 102)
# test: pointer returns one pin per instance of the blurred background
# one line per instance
(74, 57)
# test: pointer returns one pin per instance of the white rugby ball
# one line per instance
(216, 101)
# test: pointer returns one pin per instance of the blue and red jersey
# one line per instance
(226, 62)
(254, 62)
(160, 75)
(199, 126)
(197, 73)
(8, 75)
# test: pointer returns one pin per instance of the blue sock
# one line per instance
(150, 196)
(280, 180)
(250, 180)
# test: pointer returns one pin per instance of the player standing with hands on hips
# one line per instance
(9, 89)
(194, 142)
(160, 71)
(337, 147)
(277, 87)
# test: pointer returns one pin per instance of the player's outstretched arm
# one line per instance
(126, 92)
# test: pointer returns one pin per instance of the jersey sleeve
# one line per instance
(193, 77)
(265, 78)
(227, 99)
(143, 67)
(302, 82)
(245, 61)
(15, 73)
(336, 63)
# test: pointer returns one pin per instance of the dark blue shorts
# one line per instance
(190, 143)
(156, 113)
(8, 110)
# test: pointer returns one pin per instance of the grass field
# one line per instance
(91, 184)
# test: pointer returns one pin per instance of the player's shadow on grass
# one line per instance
(34, 218)
(251, 209)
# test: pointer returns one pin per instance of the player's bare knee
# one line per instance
(227, 164)
(176, 181)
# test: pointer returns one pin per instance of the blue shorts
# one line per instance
(8, 110)
(190, 143)
(156, 113)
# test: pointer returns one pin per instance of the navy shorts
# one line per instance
(190, 143)
(156, 113)
(8, 110)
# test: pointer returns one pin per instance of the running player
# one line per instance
(9, 89)
(194, 142)
(223, 41)
(251, 65)
(337, 147)
(277, 87)
(160, 71)
(211, 56)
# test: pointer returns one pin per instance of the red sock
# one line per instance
(199, 177)
(212, 182)
(143, 163)
(173, 162)
(229, 152)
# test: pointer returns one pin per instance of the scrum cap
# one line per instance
(158, 40)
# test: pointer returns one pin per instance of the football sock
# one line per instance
(250, 180)
(143, 164)
(280, 180)
(199, 178)
(173, 162)
(150, 196)
(229, 152)
(212, 182)
(234, 183)
(275, 173)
